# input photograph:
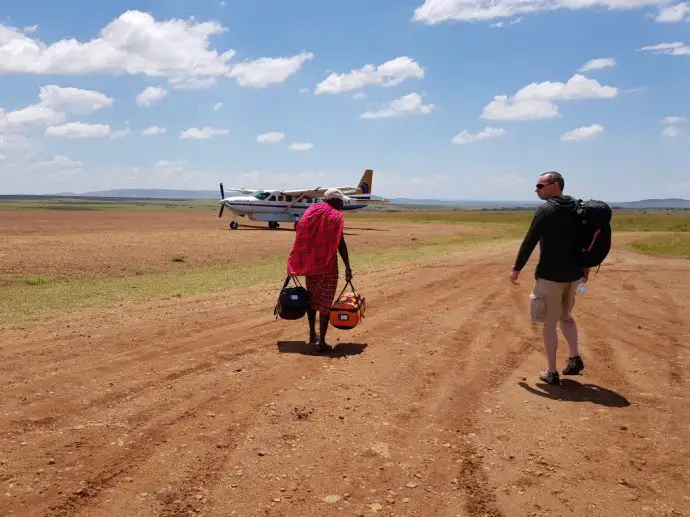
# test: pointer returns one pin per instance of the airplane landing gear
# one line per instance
(234, 225)
(273, 225)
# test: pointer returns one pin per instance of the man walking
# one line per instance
(557, 273)
(314, 255)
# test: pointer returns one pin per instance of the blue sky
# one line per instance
(442, 98)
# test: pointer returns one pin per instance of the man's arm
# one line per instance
(342, 249)
(531, 239)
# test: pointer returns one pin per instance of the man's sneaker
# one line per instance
(550, 377)
(574, 366)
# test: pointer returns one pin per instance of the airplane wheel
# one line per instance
(234, 225)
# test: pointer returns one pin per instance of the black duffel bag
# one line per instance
(292, 301)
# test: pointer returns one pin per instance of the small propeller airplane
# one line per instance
(276, 206)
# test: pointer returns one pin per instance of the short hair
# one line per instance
(555, 177)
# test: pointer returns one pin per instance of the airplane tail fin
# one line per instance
(366, 184)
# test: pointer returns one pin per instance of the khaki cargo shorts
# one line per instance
(552, 301)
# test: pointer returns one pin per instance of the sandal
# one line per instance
(324, 347)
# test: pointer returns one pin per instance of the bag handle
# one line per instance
(287, 281)
(296, 280)
(349, 282)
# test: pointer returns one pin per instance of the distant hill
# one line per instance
(156, 193)
(657, 203)
(170, 194)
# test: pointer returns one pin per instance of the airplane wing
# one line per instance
(317, 191)
(242, 190)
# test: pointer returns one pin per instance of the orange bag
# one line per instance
(348, 310)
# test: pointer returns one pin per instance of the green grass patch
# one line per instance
(675, 244)
(623, 220)
(19, 302)
(35, 280)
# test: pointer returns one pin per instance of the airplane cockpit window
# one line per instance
(288, 199)
(261, 195)
(281, 198)
(272, 198)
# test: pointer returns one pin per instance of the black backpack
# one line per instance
(292, 301)
(593, 234)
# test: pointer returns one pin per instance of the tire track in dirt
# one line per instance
(182, 498)
(412, 378)
(479, 495)
(113, 471)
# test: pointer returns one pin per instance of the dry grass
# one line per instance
(675, 244)
(20, 302)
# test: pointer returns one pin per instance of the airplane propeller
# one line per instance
(222, 196)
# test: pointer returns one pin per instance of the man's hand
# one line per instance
(348, 274)
(514, 276)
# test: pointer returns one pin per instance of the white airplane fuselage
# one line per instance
(280, 209)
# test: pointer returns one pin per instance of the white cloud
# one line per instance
(390, 73)
(583, 133)
(73, 100)
(192, 83)
(217, 106)
(201, 134)
(406, 105)
(359, 95)
(465, 137)
(598, 64)
(171, 166)
(500, 25)
(675, 13)
(434, 12)
(266, 71)
(297, 146)
(672, 120)
(537, 100)
(135, 43)
(78, 130)
(272, 137)
(153, 131)
(671, 131)
(577, 87)
(62, 164)
(151, 95)
(34, 115)
(677, 48)
(122, 133)
(55, 106)
(502, 108)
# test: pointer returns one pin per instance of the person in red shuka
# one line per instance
(314, 255)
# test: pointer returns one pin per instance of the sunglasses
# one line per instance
(542, 185)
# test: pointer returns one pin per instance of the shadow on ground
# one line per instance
(304, 348)
(573, 391)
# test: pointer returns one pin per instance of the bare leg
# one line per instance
(311, 315)
(551, 343)
(323, 321)
(569, 329)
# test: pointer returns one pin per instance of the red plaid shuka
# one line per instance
(321, 289)
(315, 251)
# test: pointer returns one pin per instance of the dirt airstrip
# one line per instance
(208, 406)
